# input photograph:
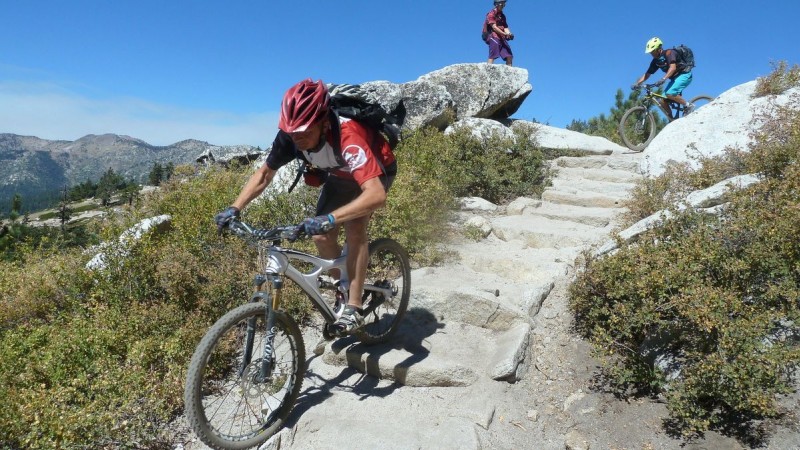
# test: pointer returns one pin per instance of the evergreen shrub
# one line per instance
(706, 309)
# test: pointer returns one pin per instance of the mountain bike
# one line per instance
(246, 373)
(638, 124)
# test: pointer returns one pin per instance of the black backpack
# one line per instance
(485, 32)
(685, 58)
(353, 102)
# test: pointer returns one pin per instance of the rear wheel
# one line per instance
(700, 101)
(228, 404)
(637, 128)
(388, 269)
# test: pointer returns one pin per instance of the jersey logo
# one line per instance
(354, 156)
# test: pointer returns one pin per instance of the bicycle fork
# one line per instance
(272, 303)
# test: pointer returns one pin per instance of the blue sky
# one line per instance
(169, 70)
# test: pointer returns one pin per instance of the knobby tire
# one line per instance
(252, 410)
(700, 101)
(637, 128)
(388, 266)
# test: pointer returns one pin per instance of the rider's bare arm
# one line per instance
(255, 186)
(671, 71)
(372, 197)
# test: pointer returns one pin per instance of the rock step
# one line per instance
(477, 261)
(599, 174)
(582, 198)
(596, 217)
(383, 415)
(543, 232)
(609, 188)
(484, 299)
(430, 351)
(628, 163)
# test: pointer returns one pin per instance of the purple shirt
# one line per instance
(497, 18)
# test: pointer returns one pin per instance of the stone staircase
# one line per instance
(467, 335)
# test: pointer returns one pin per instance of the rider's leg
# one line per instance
(676, 86)
(666, 109)
(505, 53)
(494, 49)
(334, 193)
(357, 257)
(328, 244)
(677, 99)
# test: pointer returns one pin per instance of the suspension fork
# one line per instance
(272, 302)
(268, 361)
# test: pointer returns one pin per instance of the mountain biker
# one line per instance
(349, 193)
(676, 78)
(499, 34)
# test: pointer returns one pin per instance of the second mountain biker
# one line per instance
(677, 78)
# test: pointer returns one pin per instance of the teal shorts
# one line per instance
(676, 85)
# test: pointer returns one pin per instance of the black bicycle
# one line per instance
(245, 375)
(638, 124)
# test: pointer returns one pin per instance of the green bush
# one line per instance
(717, 294)
(650, 195)
(497, 169)
(781, 79)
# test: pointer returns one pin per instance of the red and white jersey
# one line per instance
(361, 162)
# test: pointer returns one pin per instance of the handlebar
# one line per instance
(647, 87)
(290, 232)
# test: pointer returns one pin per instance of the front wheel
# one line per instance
(229, 403)
(388, 270)
(637, 128)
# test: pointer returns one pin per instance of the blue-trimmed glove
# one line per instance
(660, 82)
(636, 87)
(224, 218)
(317, 225)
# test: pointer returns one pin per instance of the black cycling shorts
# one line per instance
(337, 192)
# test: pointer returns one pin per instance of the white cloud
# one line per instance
(50, 112)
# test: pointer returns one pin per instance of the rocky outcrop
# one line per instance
(482, 90)
(437, 99)
(108, 251)
(728, 121)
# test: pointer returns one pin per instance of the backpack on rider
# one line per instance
(485, 31)
(685, 57)
(354, 102)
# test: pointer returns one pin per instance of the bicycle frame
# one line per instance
(651, 98)
(276, 263)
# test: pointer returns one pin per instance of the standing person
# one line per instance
(350, 193)
(498, 34)
(677, 78)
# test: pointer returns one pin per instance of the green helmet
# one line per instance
(653, 44)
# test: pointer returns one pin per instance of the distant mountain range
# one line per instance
(38, 169)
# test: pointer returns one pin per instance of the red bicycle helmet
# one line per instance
(303, 105)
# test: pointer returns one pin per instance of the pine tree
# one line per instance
(108, 186)
(156, 174)
(64, 211)
(16, 207)
(169, 169)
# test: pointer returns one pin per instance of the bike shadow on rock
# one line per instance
(417, 325)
